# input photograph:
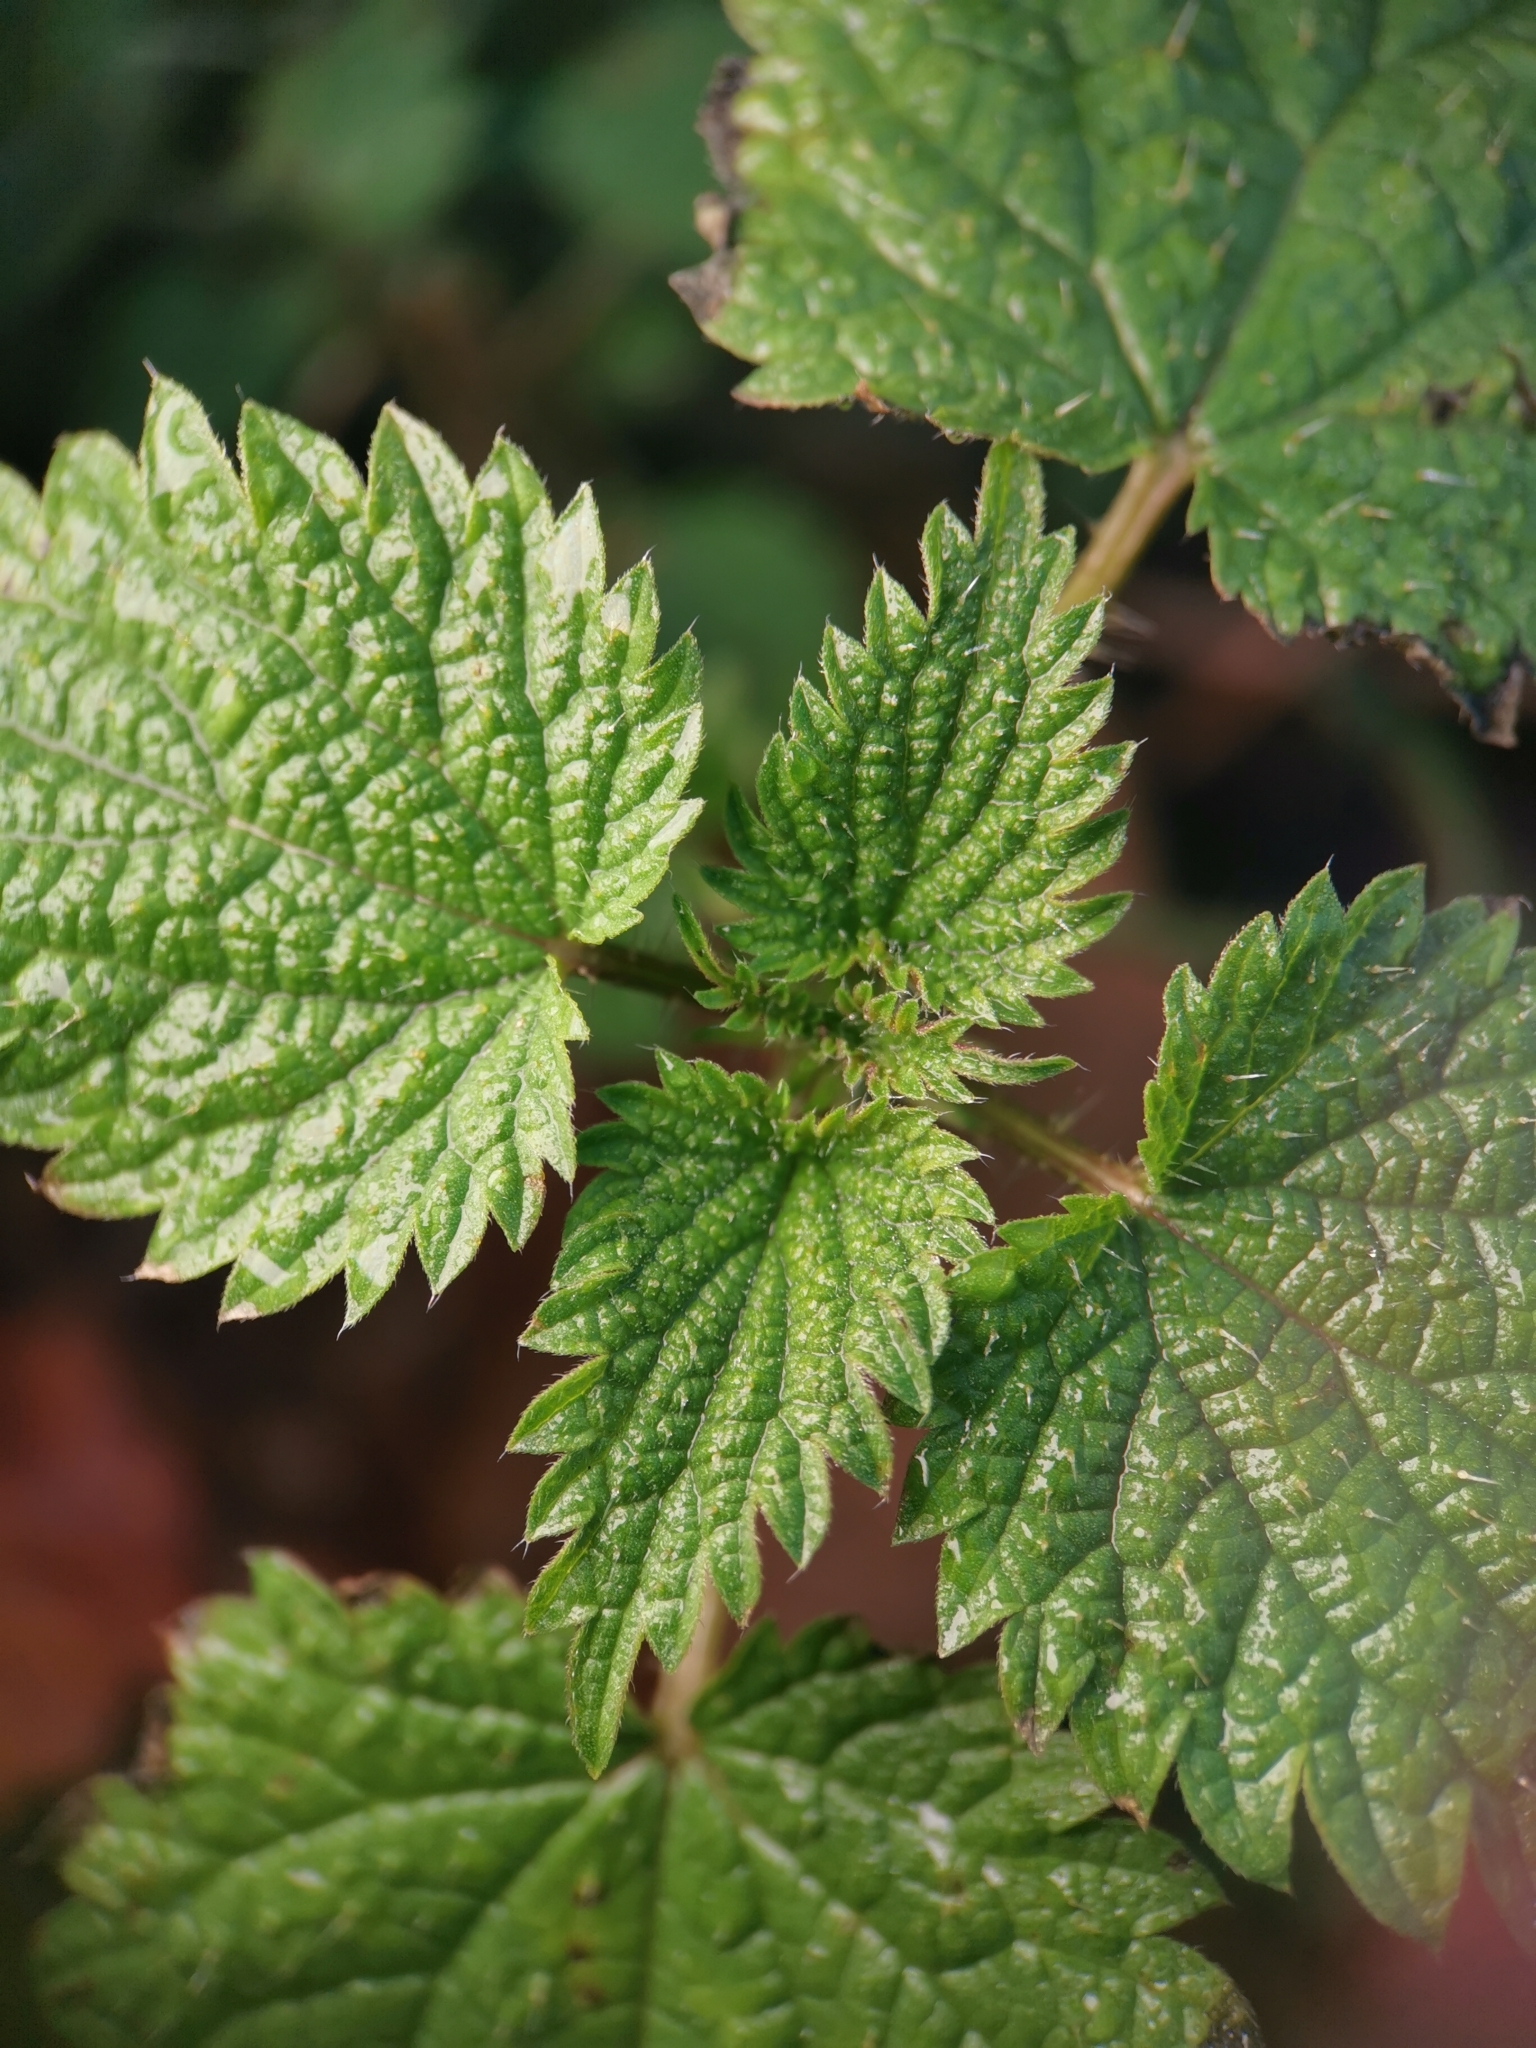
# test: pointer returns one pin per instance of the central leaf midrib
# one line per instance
(751, 1250)
(477, 1920)
(1470, 1587)
(408, 1012)
(221, 819)
(984, 315)
(217, 598)
(1436, 1087)
(430, 1975)
(993, 1564)
(874, 937)
(756, 1251)
(1160, 1219)
(1306, 161)
(1282, 986)
(1337, 393)
(744, 1826)
(1306, 158)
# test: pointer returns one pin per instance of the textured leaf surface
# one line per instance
(885, 1040)
(1302, 239)
(1251, 1471)
(372, 1830)
(933, 805)
(302, 782)
(738, 1283)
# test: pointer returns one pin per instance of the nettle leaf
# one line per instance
(932, 807)
(1294, 253)
(888, 1046)
(368, 1827)
(738, 1281)
(304, 782)
(886, 1042)
(1248, 1465)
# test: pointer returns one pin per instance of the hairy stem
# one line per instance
(628, 967)
(1036, 1139)
(672, 1708)
(1152, 485)
(995, 1117)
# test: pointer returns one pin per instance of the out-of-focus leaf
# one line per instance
(371, 130)
(614, 136)
(82, 96)
(371, 1832)
(756, 571)
(225, 335)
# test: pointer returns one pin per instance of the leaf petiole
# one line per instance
(995, 1117)
(1039, 1140)
(628, 967)
(1152, 486)
(677, 1690)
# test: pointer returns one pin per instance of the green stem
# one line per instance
(994, 1117)
(676, 1692)
(1152, 486)
(1036, 1139)
(628, 967)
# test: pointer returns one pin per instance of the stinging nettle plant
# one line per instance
(322, 796)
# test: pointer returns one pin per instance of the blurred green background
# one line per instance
(471, 206)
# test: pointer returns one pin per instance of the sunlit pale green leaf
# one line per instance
(739, 1282)
(1247, 1464)
(368, 1830)
(934, 804)
(1296, 244)
(304, 783)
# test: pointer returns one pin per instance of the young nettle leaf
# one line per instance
(739, 1281)
(1285, 257)
(887, 1046)
(885, 1041)
(933, 806)
(368, 1828)
(307, 787)
(1246, 1461)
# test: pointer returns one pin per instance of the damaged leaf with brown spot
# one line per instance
(1290, 261)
